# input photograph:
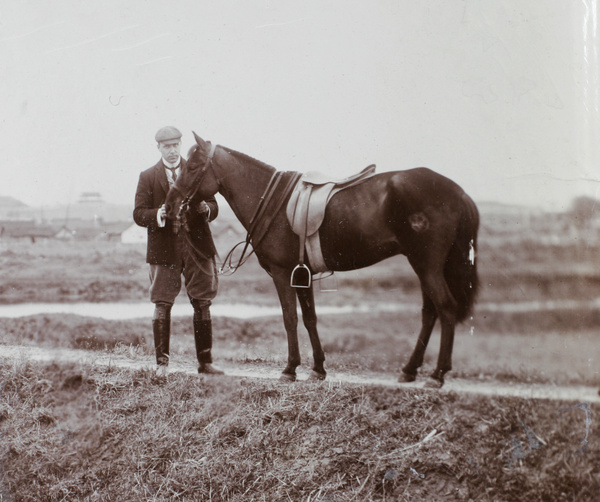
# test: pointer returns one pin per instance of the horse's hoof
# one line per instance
(434, 383)
(287, 377)
(407, 377)
(315, 376)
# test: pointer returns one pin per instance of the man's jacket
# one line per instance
(151, 194)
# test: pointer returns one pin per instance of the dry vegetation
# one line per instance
(71, 432)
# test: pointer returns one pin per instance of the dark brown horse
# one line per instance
(417, 213)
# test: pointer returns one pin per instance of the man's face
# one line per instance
(170, 150)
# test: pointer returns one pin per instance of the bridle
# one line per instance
(208, 164)
(259, 215)
(185, 203)
(276, 193)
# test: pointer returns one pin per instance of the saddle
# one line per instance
(305, 213)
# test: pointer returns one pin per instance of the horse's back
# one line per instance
(425, 181)
(404, 192)
(394, 212)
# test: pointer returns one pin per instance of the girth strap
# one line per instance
(304, 224)
(305, 213)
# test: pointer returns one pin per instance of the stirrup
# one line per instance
(301, 277)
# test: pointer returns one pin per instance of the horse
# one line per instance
(417, 213)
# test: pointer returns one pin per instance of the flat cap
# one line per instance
(167, 133)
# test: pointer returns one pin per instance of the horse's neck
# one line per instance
(243, 184)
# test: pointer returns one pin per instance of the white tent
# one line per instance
(134, 235)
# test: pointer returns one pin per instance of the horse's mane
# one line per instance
(242, 157)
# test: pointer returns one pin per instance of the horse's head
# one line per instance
(197, 179)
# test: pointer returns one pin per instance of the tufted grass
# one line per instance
(91, 434)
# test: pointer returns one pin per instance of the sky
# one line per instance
(502, 97)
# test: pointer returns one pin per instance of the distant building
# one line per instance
(12, 209)
(90, 206)
(90, 198)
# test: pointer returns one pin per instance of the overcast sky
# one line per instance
(502, 97)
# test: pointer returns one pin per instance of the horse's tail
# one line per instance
(461, 264)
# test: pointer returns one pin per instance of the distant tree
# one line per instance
(583, 210)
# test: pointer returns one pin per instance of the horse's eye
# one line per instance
(193, 165)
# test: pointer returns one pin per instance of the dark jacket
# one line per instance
(151, 193)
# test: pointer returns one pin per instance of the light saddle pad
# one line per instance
(306, 209)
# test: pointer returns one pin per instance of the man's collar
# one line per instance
(171, 166)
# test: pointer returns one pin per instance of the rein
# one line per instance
(261, 221)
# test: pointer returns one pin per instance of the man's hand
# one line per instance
(161, 216)
(203, 208)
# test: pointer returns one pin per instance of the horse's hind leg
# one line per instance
(445, 305)
(437, 300)
(287, 298)
(309, 317)
(428, 318)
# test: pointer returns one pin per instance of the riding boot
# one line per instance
(161, 325)
(203, 341)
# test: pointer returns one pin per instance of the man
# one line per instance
(175, 249)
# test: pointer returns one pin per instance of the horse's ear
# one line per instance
(199, 140)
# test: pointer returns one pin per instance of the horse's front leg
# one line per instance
(287, 298)
(309, 316)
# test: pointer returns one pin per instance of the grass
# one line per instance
(107, 271)
(81, 433)
(76, 433)
(75, 271)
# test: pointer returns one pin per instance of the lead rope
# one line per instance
(273, 182)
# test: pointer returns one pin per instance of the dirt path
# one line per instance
(528, 391)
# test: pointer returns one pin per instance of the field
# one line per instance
(75, 432)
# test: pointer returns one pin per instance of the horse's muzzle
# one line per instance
(173, 206)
